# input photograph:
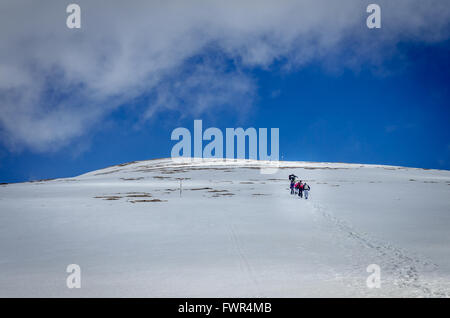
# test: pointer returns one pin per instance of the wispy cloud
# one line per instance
(202, 88)
(56, 83)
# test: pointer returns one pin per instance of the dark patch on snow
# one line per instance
(216, 195)
(125, 164)
(174, 171)
(107, 172)
(108, 197)
(139, 195)
(152, 200)
(132, 179)
(41, 180)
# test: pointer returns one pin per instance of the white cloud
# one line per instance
(56, 83)
(202, 88)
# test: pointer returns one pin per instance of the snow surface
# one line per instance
(233, 232)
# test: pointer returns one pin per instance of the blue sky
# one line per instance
(399, 119)
(388, 107)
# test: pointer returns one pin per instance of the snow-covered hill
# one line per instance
(232, 231)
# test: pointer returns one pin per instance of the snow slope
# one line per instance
(233, 232)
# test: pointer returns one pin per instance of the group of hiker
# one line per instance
(298, 187)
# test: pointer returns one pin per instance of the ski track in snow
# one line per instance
(244, 263)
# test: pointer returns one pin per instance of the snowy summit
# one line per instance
(222, 229)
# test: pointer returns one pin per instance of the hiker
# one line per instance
(297, 187)
(306, 189)
(300, 189)
(292, 186)
(292, 178)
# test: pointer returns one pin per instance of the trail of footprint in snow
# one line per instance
(395, 262)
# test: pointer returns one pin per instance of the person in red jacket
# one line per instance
(296, 187)
(300, 189)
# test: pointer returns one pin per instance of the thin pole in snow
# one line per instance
(181, 185)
